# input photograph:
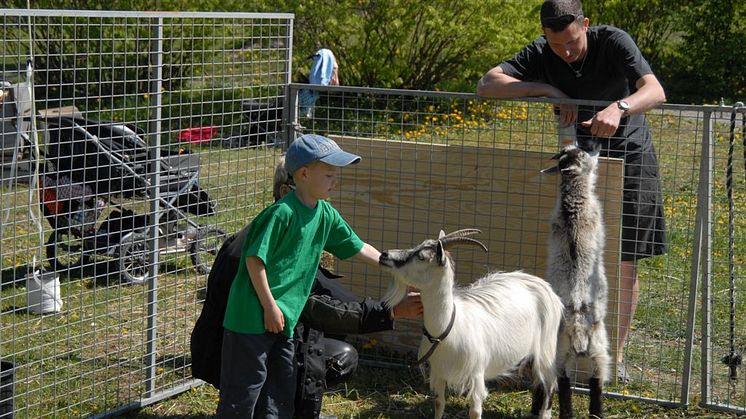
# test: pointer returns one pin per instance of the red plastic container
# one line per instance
(197, 135)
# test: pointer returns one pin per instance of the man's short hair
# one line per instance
(557, 15)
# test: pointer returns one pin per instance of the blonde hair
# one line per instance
(281, 177)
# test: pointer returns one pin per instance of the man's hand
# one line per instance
(605, 123)
(648, 95)
(567, 114)
(409, 308)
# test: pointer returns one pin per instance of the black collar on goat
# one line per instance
(436, 341)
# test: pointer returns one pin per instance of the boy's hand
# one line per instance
(274, 321)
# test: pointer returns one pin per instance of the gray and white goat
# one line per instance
(484, 330)
(575, 269)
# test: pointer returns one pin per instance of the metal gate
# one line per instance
(133, 143)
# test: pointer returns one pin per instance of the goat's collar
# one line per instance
(436, 340)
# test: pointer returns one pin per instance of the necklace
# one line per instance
(578, 72)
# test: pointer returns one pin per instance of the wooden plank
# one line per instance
(402, 193)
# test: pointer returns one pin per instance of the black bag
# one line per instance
(206, 342)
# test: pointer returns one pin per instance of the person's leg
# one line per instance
(643, 235)
(277, 396)
(334, 364)
(242, 374)
(310, 373)
(629, 295)
(341, 361)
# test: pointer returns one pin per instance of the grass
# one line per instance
(378, 393)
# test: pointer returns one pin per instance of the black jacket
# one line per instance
(330, 308)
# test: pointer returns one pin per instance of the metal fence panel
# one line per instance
(152, 133)
(723, 340)
(658, 352)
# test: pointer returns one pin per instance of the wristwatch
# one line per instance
(623, 105)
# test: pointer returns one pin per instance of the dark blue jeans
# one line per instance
(256, 376)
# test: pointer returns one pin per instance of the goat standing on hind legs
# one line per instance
(484, 330)
(576, 272)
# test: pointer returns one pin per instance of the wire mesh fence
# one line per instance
(499, 192)
(131, 148)
(135, 142)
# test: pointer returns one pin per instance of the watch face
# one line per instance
(623, 105)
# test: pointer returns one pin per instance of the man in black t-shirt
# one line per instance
(602, 63)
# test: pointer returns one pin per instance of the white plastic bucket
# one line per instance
(43, 294)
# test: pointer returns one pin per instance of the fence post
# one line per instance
(154, 141)
(291, 123)
(702, 258)
(290, 108)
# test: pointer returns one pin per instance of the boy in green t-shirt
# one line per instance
(282, 251)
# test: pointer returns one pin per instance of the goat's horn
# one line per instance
(462, 233)
(454, 241)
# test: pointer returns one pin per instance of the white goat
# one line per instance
(484, 330)
(576, 271)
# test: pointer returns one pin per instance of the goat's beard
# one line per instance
(395, 294)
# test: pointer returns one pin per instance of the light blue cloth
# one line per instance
(322, 67)
(321, 72)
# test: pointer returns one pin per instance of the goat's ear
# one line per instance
(550, 170)
(441, 234)
(555, 168)
(440, 253)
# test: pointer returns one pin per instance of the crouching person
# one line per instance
(322, 358)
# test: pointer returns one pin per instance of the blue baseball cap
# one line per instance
(311, 147)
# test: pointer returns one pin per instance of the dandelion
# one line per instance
(370, 344)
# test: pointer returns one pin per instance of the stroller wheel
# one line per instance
(205, 246)
(134, 258)
(65, 250)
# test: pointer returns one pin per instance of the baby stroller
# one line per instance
(89, 165)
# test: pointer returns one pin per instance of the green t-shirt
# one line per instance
(289, 238)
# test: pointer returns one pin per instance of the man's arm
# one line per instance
(649, 94)
(495, 83)
(333, 311)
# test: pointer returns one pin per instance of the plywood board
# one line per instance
(402, 193)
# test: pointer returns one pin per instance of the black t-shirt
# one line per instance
(612, 66)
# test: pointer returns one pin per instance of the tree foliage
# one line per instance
(122, 45)
(438, 44)
(694, 46)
